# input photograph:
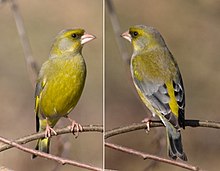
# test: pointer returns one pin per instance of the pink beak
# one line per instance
(127, 36)
(86, 38)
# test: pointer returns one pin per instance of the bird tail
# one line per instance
(42, 145)
(174, 143)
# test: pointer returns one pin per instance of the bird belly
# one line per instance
(147, 103)
(62, 94)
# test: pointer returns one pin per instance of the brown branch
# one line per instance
(2, 168)
(31, 64)
(152, 157)
(157, 140)
(1, 3)
(120, 42)
(29, 138)
(117, 30)
(139, 126)
(50, 156)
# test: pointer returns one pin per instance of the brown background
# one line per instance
(191, 31)
(43, 20)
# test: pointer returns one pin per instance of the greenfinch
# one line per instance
(60, 83)
(158, 82)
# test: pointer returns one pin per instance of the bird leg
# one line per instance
(48, 131)
(147, 121)
(76, 125)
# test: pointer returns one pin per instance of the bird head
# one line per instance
(143, 37)
(70, 41)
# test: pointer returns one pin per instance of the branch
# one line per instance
(29, 138)
(152, 157)
(31, 64)
(2, 168)
(139, 126)
(117, 30)
(49, 156)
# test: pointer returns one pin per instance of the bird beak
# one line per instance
(87, 38)
(126, 35)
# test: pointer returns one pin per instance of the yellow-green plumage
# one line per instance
(157, 68)
(65, 81)
(158, 82)
(60, 81)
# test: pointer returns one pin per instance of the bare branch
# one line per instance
(152, 157)
(2, 168)
(29, 138)
(50, 156)
(31, 64)
(139, 126)
(117, 30)
(159, 141)
(1, 3)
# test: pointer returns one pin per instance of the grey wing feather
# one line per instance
(180, 97)
(157, 95)
(38, 89)
(37, 94)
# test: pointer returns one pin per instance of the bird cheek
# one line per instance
(65, 44)
(76, 45)
(136, 46)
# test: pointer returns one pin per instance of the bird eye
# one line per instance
(74, 35)
(135, 33)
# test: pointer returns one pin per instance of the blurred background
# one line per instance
(43, 20)
(191, 31)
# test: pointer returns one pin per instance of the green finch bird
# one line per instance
(158, 81)
(60, 83)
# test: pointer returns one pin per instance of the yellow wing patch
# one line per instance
(173, 103)
(36, 104)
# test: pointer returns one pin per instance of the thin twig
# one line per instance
(139, 126)
(120, 42)
(31, 64)
(50, 156)
(63, 146)
(1, 2)
(159, 141)
(2, 168)
(29, 138)
(117, 30)
(152, 157)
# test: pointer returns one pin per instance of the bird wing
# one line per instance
(38, 90)
(166, 97)
(180, 98)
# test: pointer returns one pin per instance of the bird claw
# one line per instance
(48, 131)
(147, 121)
(78, 127)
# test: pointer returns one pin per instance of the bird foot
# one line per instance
(48, 131)
(74, 125)
(147, 121)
